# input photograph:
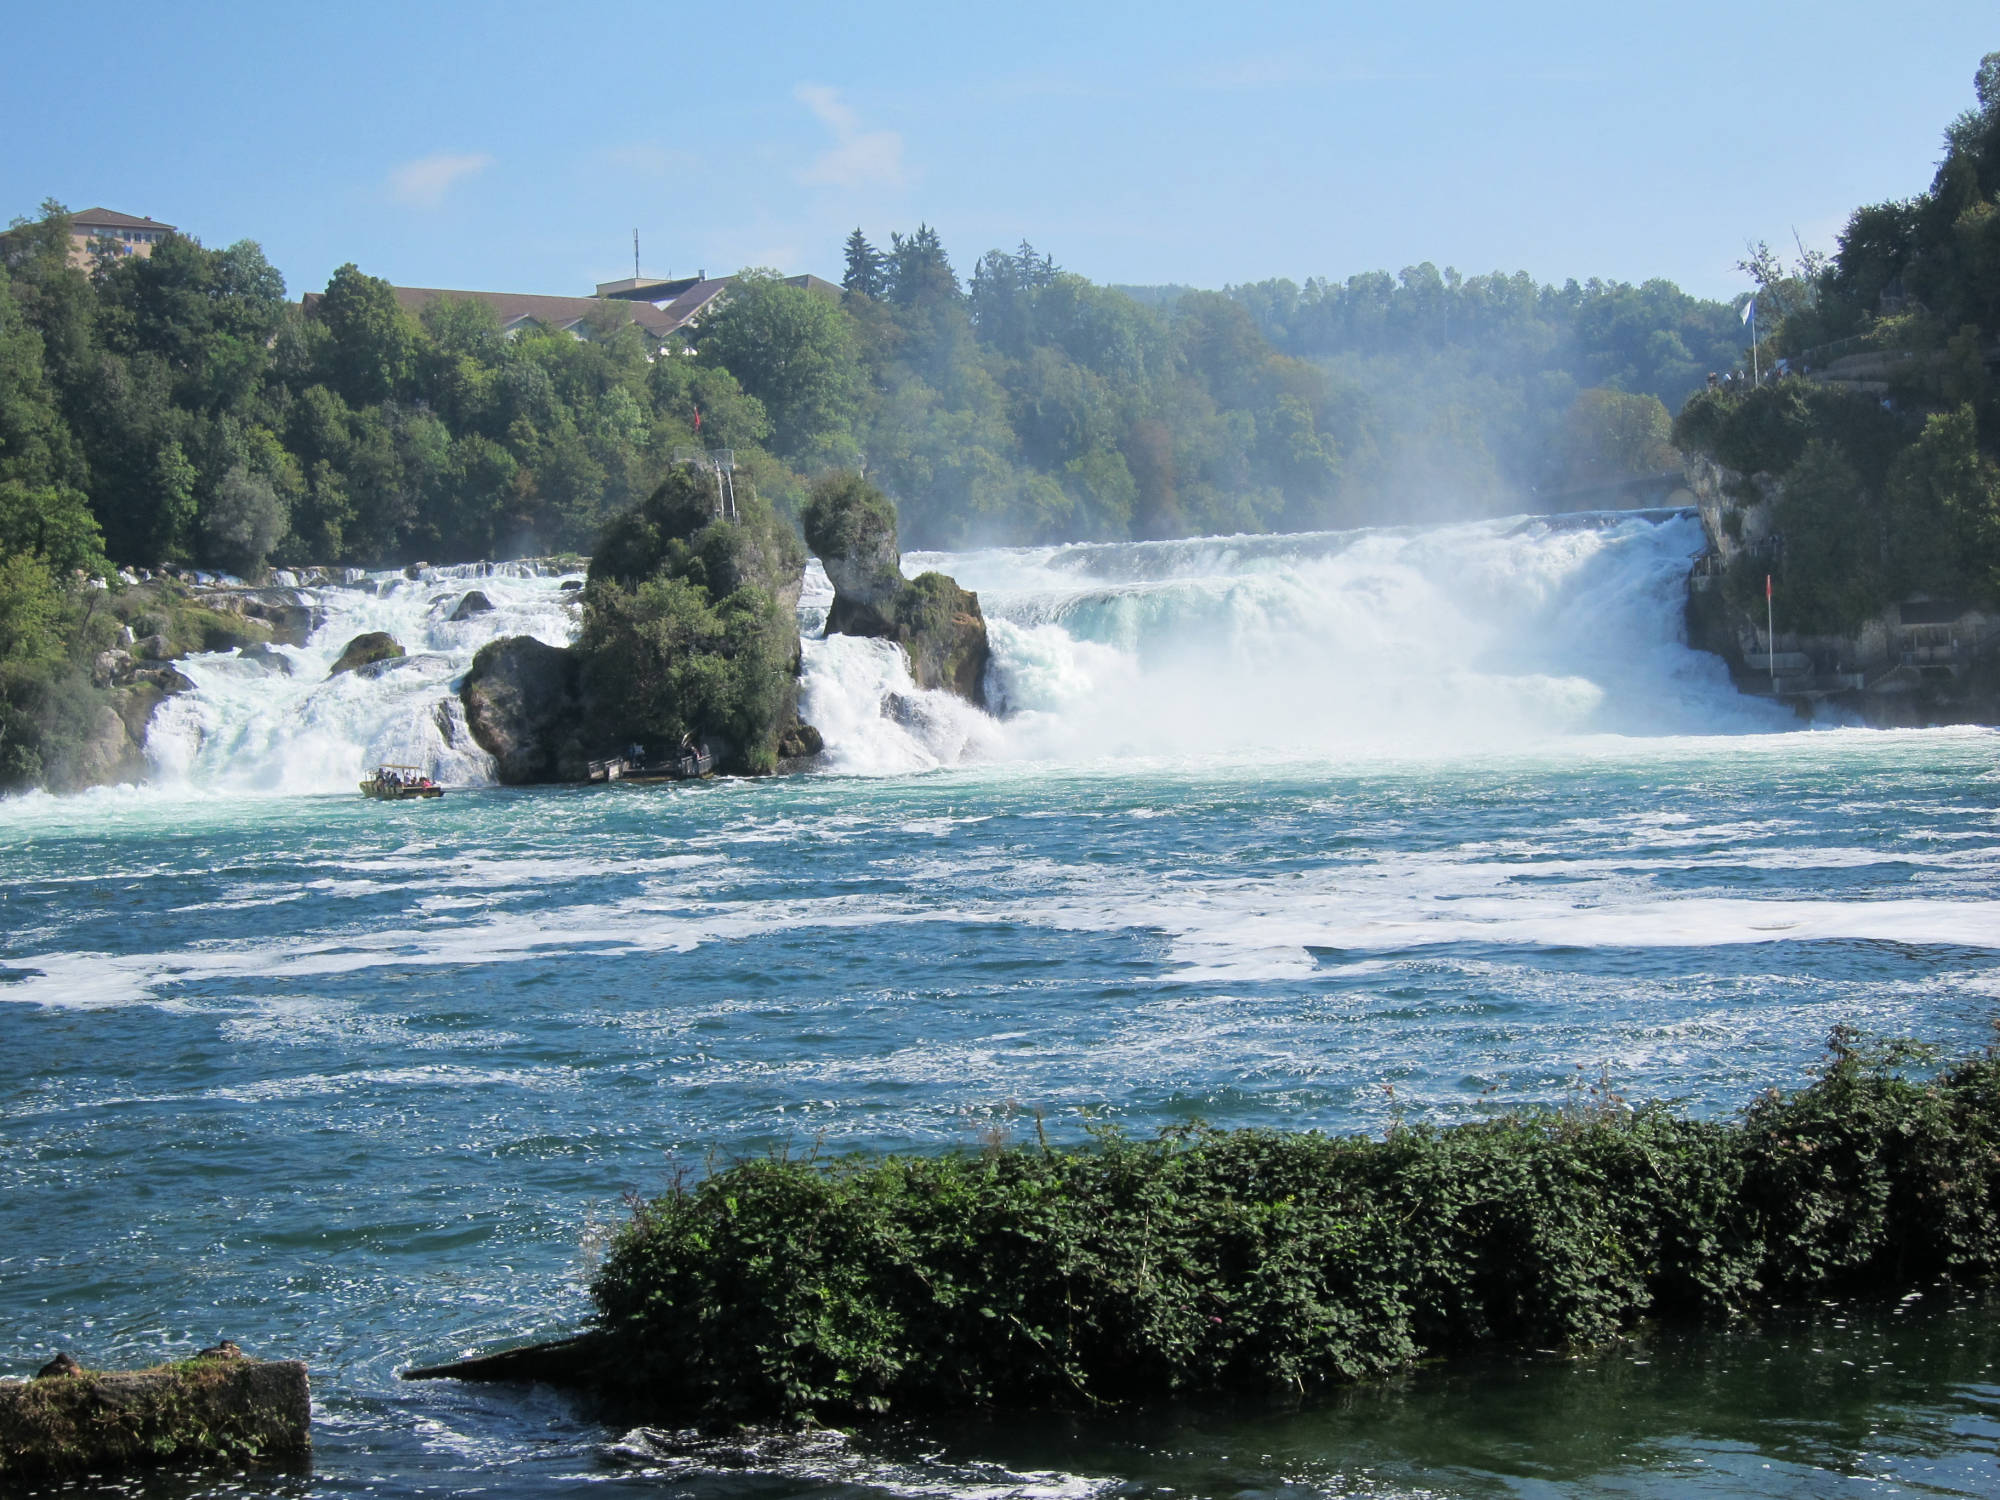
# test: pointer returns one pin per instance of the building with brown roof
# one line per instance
(580, 317)
(106, 229)
(661, 308)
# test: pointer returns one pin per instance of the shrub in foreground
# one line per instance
(1223, 1262)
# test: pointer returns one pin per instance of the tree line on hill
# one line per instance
(1891, 487)
(198, 416)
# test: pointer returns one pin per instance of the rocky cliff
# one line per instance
(689, 629)
(851, 528)
(1919, 661)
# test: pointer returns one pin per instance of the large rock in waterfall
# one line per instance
(851, 527)
(690, 626)
(523, 707)
(365, 650)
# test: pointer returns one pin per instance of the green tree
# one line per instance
(1831, 569)
(32, 653)
(242, 522)
(36, 445)
(919, 269)
(1944, 512)
(1613, 435)
(865, 272)
(793, 350)
(52, 524)
(371, 339)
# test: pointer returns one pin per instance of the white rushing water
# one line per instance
(1490, 634)
(251, 725)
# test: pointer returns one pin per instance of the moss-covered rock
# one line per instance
(523, 707)
(365, 650)
(216, 1408)
(941, 627)
(474, 603)
(851, 527)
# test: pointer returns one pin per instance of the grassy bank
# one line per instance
(1207, 1263)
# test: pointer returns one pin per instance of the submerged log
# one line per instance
(218, 1407)
(579, 1360)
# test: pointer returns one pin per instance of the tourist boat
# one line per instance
(400, 784)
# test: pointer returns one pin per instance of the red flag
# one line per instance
(697, 419)
(1767, 576)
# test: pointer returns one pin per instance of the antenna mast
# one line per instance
(635, 254)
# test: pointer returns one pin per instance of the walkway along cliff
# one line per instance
(1876, 606)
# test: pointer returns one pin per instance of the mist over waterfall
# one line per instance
(1409, 640)
(252, 725)
(1412, 640)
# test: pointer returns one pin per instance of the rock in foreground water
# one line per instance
(218, 1407)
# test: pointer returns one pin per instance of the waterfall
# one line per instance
(279, 723)
(1392, 641)
(1384, 641)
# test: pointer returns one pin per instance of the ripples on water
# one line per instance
(364, 1084)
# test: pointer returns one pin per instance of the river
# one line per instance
(1304, 832)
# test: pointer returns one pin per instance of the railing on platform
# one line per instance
(720, 465)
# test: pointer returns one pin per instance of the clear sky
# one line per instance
(515, 147)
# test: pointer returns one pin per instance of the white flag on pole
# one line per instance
(1750, 310)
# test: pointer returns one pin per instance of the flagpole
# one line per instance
(1756, 377)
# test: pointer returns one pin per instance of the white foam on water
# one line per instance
(828, 1460)
(1485, 636)
(1217, 930)
(249, 726)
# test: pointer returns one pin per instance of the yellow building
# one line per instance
(122, 234)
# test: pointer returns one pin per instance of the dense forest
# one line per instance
(1886, 484)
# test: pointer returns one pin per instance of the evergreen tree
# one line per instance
(919, 269)
(865, 267)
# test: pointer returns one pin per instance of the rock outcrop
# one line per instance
(690, 624)
(473, 604)
(1916, 663)
(218, 1407)
(523, 706)
(851, 527)
(265, 657)
(365, 650)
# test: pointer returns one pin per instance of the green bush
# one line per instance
(847, 516)
(1210, 1263)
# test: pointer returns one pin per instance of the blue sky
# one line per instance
(515, 147)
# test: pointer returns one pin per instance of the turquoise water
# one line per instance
(365, 1084)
